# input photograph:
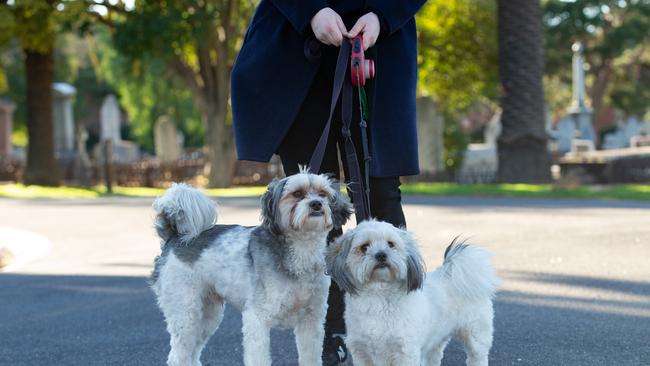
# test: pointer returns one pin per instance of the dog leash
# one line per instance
(360, 69)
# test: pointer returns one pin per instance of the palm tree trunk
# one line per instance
(522, 146)
(42, 168)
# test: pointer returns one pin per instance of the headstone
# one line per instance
(63, 119)
(493, 129)
(563, 134)
(480, 164)
(6, 126)
(110, 119)
(623, 135)
(632, 128)
(167, 140)
(430, 124)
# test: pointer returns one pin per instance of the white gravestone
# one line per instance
(430, 126)
(167, 140)
(63, 119)
(110, 120)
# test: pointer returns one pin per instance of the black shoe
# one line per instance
(334, 351)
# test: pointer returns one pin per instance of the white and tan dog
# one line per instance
(393, 315)
(273, 273)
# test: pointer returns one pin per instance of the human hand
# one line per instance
(369, 26)
(328, 27)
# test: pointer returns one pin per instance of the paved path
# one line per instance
(576, 287)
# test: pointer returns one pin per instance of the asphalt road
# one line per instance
(576, 281)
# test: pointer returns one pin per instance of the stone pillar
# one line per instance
(582, 116)
(110, 120)
(430, 126)
(64, 134)
(6, 126)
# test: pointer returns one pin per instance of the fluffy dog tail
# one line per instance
(469, 271)
(184, 212)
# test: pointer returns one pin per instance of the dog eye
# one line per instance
(364, 248)
(391, 244)
(299, 194)
(322, 194)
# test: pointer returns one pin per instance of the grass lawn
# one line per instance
(627, 192)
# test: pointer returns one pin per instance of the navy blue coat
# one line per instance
(272, 76)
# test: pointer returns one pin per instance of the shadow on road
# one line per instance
(112, 320)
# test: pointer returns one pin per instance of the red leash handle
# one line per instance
(361, 69)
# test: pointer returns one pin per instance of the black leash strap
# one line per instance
(343, 88)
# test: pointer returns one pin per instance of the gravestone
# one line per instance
(167, 140)
(64, 134)
(563, 134)
(623, 135)
(110, 120)
(6, 126)
(430, 125)
(493, 129)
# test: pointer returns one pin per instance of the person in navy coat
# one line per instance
(281, 89)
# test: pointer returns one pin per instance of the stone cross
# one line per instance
(167, 141)
(6, 126)
(63, 119)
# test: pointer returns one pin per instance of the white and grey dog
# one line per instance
(393, 315)
(273, 273)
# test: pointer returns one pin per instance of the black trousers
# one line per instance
(299, 144)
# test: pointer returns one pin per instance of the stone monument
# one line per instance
(582, 116)
(167, 140)
(64, 133)
(430, 126)
(6, 127)
(109, 115)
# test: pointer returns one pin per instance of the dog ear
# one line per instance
(336, 258)
(415, 268)
(341, 207)
(270, 200)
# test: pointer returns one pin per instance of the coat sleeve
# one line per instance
(299, 12)
(394, 13)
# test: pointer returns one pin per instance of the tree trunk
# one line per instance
(42, 168)
(219, 148)
(522, 146)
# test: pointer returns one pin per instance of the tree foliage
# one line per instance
(458, 52)
(197, 41)
(616, 36)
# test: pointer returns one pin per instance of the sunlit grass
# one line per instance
(625, 191)
(21, 191)
(639, 192)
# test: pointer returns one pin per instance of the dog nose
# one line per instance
(315, 205)
(380, 257)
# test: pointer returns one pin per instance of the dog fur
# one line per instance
(394, 315)
(273, 273)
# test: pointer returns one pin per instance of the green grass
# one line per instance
(625, 192)
(21, 191)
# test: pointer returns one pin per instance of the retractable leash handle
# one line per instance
(361, 68)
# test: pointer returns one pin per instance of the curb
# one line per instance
(6, 257)
(19, 247)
